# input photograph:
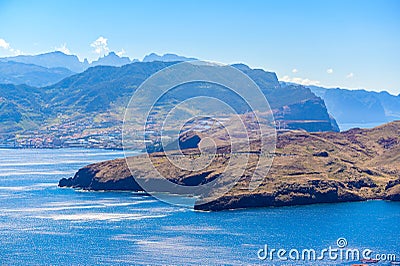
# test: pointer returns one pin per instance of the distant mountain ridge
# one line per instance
(112, 59)
(49, 68)
(49, 60)
(359, 106)
(33, 75)
(59, 59)
(166, 58)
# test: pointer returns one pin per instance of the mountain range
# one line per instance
(50, 60)
(21, 73)
(93, 102)
(166, 58)
(49, 68)
(59, 59)
(44, 91)
(359, 106)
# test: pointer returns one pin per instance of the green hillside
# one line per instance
(94, 101)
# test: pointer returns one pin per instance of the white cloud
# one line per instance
(6, 46)
(63, 48)
(294, 70)
(350, 75)
(15, 51)
(329, 71)
(100, 46)
(121, 53)
(301, 81)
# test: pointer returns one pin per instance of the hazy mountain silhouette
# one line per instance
(360, 106)
(112, 59)
(166, 58)
(50, 60)
(33, 75)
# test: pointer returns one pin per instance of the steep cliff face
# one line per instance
(294, 106)
(309, 192)
(358, 164)
(109, 175)
(314, 116)
(359, 106)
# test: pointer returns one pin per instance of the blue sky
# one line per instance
(346, 43)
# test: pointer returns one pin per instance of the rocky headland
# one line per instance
(308, 168)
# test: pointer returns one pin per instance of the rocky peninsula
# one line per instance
(308, 168)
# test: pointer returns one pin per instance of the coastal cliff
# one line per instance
(308, 168)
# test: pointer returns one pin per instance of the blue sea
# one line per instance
(41, 224)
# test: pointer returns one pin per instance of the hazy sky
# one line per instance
(346, 43)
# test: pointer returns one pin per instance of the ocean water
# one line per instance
(41, 224)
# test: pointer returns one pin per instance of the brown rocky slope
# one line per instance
(308, 168)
